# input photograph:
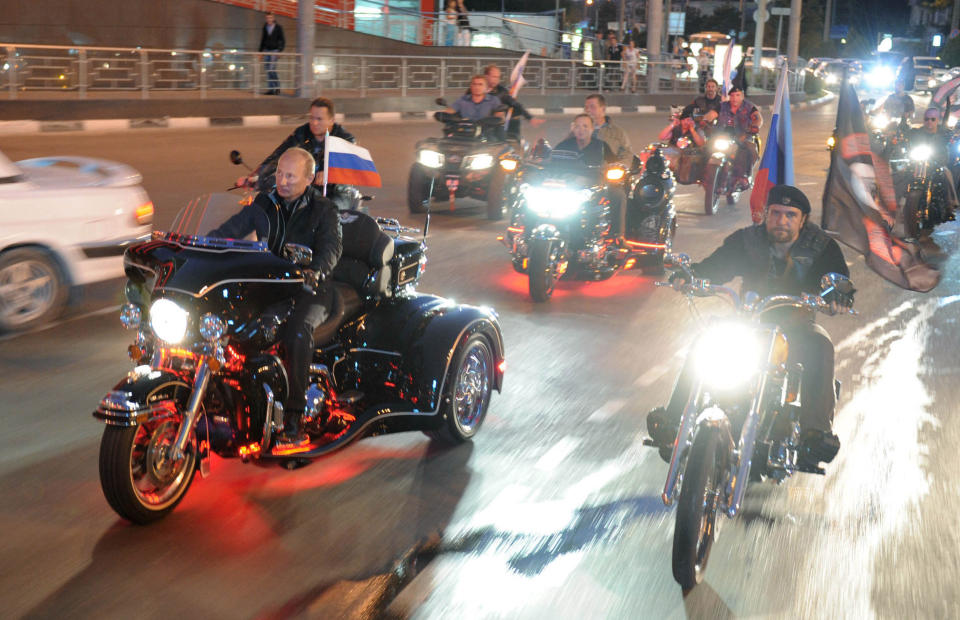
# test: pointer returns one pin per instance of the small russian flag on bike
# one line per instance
(776, 165)
(345, 163)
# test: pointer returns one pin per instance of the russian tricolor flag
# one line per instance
(348, 164)
(776, 165)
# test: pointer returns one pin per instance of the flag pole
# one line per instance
(326, 160)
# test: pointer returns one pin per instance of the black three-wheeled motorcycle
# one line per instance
(208, 375)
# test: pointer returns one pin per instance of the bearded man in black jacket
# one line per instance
(295, 212)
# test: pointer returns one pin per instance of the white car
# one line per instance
(64, 222)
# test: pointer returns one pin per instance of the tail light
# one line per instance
(144, 213)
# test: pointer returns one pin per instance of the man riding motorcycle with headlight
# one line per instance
(311, 137)
(899, 104)
(787, 255)
(593, 151)
(295, 212)
(744, 120)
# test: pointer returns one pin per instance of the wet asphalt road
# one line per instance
(553, 511)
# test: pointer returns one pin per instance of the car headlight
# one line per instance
(727, 355)
(921, 152)
(212, 327)
(168, 320)
(430, 159)
(554, 202)
(880, 121)
(481, 161)
(130, 316)
(721, 145)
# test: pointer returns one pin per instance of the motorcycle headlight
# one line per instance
(168, 320)
(831, 79)
(831, 142)
(481, 161)
(212, 327)
(554, 202)
(727, 355)
(921, 152)
(130, 316)
(931, 83)
(880, 121)
(430, 159)
(721, 145)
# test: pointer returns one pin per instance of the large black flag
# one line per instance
(860, 207)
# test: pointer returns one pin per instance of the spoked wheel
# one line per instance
(543, 270)
(467, 392)
(712, 189)
(33, 289)
(141, 483)
(699, 500)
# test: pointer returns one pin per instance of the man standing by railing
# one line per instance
(272, 41)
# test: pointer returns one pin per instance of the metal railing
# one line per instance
(81, 72)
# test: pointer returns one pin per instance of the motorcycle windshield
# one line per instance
(196, 256)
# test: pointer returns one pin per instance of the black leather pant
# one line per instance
(311, 310)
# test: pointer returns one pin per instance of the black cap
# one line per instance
(789, 196)
(735, 89)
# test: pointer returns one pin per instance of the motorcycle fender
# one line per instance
(715, 418)
(424, 331)
(145, 395)
(546, 232)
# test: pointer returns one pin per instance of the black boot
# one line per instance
(663, 431)
(815, 447)
(292, 435)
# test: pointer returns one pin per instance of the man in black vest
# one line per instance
(785, 255)
(295, 212)
(272, 40)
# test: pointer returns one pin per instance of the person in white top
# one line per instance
(630, 57)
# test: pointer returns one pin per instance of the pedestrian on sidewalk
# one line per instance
(463, 24)
(631, 59)
(449, 23)
(272, 41)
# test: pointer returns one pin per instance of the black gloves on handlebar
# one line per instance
(843, 298)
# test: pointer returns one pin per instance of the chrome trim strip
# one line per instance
(369, 350)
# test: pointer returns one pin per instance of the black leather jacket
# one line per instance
(748, 253)
(304, 138)
(311, 220)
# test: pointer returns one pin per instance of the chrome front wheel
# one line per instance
(140, 480)
(467, 395)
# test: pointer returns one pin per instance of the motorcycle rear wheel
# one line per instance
(711, 189)
(697, 509)
(139, 482)
(542, 270)
(466, 392)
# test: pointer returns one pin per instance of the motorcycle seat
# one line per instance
(346, 304)
(367, 250)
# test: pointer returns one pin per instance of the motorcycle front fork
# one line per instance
(201, 379)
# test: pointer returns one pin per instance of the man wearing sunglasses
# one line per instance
(938, 139)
